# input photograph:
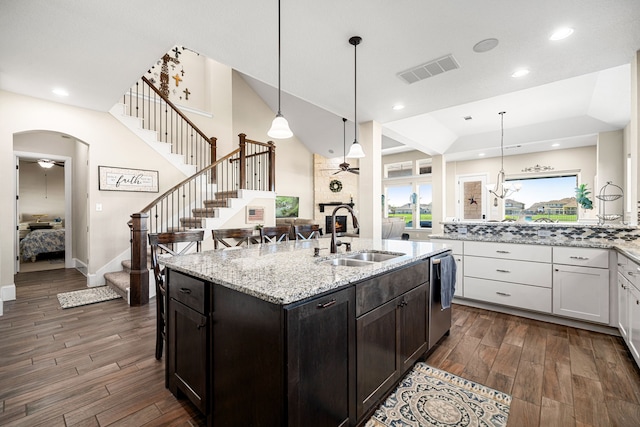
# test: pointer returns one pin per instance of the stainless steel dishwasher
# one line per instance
(439, 318)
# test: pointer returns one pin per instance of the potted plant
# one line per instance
(582, 196)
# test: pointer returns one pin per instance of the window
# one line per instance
(425, 197)
(552, 198)
(399, 203)
(396, 170)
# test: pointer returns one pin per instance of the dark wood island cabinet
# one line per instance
(325, 360)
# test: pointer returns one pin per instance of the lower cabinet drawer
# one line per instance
(511, 294)
(508, 270)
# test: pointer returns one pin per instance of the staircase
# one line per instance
(206, 199)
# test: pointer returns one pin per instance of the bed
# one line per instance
(41, 242)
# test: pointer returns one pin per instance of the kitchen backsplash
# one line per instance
(556, 232)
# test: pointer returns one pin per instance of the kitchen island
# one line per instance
(272, 335)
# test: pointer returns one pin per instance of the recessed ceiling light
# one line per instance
(561, 33)
(481, 155)
(331, 151)
(398, 107)
(555, 145)
(485, 45)
(520, 73)
(60, 92)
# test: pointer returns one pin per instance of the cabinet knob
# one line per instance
(504, 294)
(185, 290)
(200, 326)
(502, 271)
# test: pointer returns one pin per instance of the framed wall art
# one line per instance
(121, 179)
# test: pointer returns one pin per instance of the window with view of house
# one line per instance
(552, 198)
(408, 192)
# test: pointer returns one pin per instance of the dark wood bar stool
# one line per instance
(168, 243)
(307, 231)
(279, 233)
(230, 237)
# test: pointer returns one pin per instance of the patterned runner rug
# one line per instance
(431, 397)
(86, 296)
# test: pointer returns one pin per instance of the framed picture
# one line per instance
(287, 206)
(120, 179)
(255, 214)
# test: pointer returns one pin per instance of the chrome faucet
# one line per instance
(334, 242)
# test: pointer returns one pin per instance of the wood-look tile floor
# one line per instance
(85, 366)
(556, 375)
(94, 365)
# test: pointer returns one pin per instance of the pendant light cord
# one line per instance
(344, 140)
(355, 93)
(502, 140)
(279, 55)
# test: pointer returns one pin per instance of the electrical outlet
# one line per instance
(462, 230)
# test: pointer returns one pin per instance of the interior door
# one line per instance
(16, 219)
(472, 197)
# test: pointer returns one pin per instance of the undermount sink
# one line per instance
(373, 256)
(349, 262)
(361, 259)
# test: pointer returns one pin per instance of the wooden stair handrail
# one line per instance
(192, 177)
(176, 109)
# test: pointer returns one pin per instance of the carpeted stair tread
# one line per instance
(191, 222)
(126, 264)
(216, 203)
(231, 194)
(205, 212)
(118, 281)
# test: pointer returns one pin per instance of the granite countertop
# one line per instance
(283, 273)
(632, 250)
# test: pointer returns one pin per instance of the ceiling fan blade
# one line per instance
(357, 172)
(336, 173)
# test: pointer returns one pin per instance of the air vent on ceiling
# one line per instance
(430, 69)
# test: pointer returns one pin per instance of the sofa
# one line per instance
(392, 228)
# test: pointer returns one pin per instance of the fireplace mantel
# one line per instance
(322, 205)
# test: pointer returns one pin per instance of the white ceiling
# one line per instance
(577, 87)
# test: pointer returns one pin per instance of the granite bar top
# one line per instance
(287, 272)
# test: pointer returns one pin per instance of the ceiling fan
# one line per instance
(344, 166)
(46, 163)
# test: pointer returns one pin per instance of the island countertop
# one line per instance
(283, 273)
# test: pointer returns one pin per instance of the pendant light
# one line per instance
(279, 127)
(46, 163)
(356, 149)
(502, 189)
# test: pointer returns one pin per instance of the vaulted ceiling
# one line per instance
(576, 87)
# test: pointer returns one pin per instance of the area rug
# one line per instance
(431, 397)
(86, 296)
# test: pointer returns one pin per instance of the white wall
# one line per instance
(294, 162)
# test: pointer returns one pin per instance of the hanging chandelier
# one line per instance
(356, 150)
(279, 127)
(502, 189)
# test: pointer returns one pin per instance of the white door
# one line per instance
(471, 197)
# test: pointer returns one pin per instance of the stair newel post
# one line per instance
(272, 166)
(139, 278)
(243, 160)
(214, 156)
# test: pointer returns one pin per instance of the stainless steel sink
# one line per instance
(361, 259)
(348, 262)
(373, 256)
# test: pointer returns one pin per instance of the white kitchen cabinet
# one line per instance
(514, 275)
(634, 322)
(581, 292)
(623, 306)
